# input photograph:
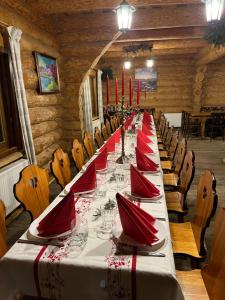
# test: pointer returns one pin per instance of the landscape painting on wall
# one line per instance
(148, 78)
(47, 73)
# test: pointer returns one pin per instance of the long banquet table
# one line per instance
(94, 270)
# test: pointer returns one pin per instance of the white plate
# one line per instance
(126, 241)
(33, 234)
(147, 199)
(85, 192)
(150, 172)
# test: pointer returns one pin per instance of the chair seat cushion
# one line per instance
(163, 154)
(170, 179)
(183, 240)
(174, 202)
(166, 165)
(192, 285)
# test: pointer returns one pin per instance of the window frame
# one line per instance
(94, 93)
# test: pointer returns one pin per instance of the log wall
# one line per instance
(45, 110)
(214, 84)
(174, 85)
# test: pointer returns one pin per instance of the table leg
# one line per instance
(203, 121)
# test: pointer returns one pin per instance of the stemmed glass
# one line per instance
(108, 220)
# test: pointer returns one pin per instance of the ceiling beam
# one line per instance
(163, 34)
(148, 18)
(155, 53)
(74, 6)
(210, 54)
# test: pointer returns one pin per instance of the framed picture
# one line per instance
(148, 79)
(48, 76)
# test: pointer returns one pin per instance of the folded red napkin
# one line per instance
(141, 145)
(147, 126)
(60, 219)
(86, 182)
(144, 163)
(110, 145)
(101, 160)
(144, 137)
(146, 130)
(141, 186)
(117, 136)
(136, 223)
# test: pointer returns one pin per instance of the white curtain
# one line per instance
(13, 36)
(100, 101)
(87, 106)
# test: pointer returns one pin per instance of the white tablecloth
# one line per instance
(93, 271)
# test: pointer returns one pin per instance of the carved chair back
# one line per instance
(60, 167)
(205, 208)
(32, 190)
(3, 245)
(78, 154)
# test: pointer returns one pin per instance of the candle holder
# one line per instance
(123, 159)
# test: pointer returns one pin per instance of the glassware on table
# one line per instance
(79, 234)
(108, 219)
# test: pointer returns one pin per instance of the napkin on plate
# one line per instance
(146, 130)
(117, 136)
(101, 160)
(137, 224)
(144, 137)
(87, 181)
(144, 163)
(110, 145)
(60, 219)
(141, 145)
(141, 186)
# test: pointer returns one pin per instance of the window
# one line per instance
(94, 94)
(10, 132)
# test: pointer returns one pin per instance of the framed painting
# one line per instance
(148, 79)
(47, 71)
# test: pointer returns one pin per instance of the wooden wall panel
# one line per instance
(174, 86)
(214, 84)
(45, 110)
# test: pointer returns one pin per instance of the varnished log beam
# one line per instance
(210, 54)
(148, 18)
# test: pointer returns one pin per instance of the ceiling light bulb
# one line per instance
(150, 63)
(127, 65)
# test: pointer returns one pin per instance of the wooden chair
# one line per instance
(176, 201)
(107, 124)
(112, 123)
(188, 238)
(98, 137)
(32, 190)
(212, 277)
(104, 132)
(171, 179)
(60, 167)
(116, 122)
(78, 154)
(3, 245)
(170, 154)
(88, 144)
(166, 143)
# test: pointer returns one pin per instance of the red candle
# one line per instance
(107, 91)
(131, 91)
(117, 92)
(123, 82)
(138, 92)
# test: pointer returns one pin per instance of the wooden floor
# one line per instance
(209, 155)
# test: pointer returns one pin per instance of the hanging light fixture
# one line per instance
(150, 61)
(127, 64)
(214, 9)
(124, 15)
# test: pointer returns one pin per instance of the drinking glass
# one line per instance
(80, 234)
(106, 228)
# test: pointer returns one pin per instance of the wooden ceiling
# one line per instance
(176, 26)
